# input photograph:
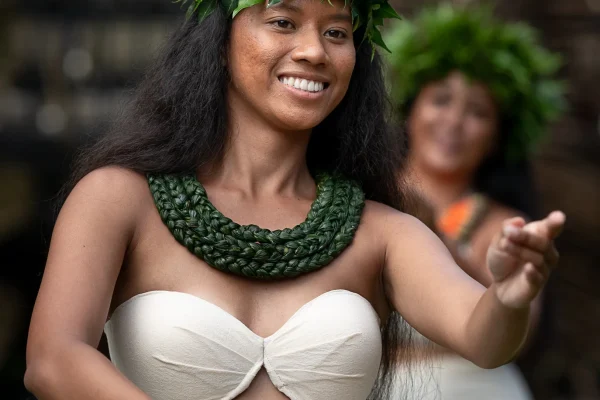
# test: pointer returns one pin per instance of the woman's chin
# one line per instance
(299, 122)
(445, 166)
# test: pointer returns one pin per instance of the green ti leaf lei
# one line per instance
(248, 250)
(370, 13)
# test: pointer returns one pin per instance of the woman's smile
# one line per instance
(304, 86)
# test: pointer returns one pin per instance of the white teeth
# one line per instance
(303, 84)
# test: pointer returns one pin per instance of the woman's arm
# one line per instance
(435, 296)
(92, 234)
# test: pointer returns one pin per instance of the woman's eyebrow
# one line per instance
(340, 17)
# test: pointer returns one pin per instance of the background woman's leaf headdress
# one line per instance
(506, 57)
(370, 13)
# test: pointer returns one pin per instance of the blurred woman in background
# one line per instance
(476, 94)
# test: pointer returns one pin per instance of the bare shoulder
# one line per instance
(387, 222)
(111, 194)
(113, 185)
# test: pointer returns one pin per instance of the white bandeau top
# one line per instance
(176, 346)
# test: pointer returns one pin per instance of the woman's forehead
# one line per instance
(457, 79)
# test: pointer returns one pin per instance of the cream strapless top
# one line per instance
(176, 346)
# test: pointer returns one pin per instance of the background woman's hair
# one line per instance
(177, 121)
(509, 182)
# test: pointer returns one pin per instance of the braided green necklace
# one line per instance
(248, 250)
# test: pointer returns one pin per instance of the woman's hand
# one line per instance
(522, 256)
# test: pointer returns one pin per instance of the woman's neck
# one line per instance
(262, 161)
(440, 190)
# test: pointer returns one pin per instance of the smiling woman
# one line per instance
(268, 45)
(237, 234)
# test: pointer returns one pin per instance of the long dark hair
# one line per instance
(508, 181)
(177, 121)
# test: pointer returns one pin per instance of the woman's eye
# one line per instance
(335, 34)
(283, 24)
(441, 99)
(478, 111)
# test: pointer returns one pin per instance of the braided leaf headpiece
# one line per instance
(248, 250)
(369, 13)
(506, 57)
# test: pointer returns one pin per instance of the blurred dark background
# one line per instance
(66, 66)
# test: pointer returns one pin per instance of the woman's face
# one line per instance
(453, 126)
(291, 63)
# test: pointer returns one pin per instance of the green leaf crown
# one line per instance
(368, 13)
(506, 57)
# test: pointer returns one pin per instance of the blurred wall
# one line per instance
(65, 69)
